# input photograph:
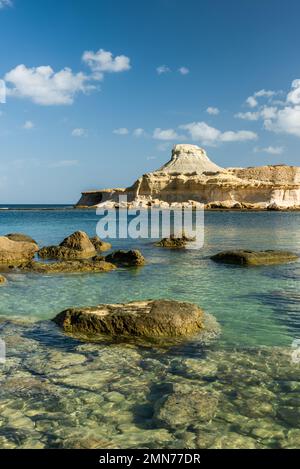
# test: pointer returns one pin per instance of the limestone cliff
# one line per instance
(191, 177)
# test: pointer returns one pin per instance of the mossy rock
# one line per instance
(174, 242)
(126, 258)
(96, 264)
(20, 237)
(149, 318)
(100, 245)
(249, 258)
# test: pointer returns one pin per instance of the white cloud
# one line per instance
(43, 86)
(103, 61)
(266, 112)
(64, 164)
(287, 119)
(5, 3)
(249, 116)
(121, 131)
(79, 132)
(28, 125)
(294, 95)
(200, 131)
(265, 93)
(251, 101)
(166, 134)
(213, 111)
(139, 132)
(184, 70)
(163, 69)
(270, 149)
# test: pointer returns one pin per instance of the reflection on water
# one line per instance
(240, 391)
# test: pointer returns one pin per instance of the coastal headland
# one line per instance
(190, 178)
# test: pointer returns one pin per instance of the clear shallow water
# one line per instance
(57, 390)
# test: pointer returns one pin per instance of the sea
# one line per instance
(62, 391)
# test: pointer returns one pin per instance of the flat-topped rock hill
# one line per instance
(191, 178)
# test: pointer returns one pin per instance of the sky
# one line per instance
(94, 93)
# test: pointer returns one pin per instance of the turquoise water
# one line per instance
(59, 391)
(255, 306)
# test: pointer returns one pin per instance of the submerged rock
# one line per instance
(100, 245)
(96, 264)
(181, 409)
(14, 252)
(245, 257)
(150, 318)
(174, 242)
(20, 237)
(2, 280)
(126, 258)
(76, 246)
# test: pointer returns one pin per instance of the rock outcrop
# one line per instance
(100, 245)
(190, 177)
(94, 265)
(14, 252)
(151, 318)
(126, 258)
(243, 257)
(20, 237)
(76, 246)
(174, 242)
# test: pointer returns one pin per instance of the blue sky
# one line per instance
(98, 91)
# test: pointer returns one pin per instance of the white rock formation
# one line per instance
(190, 177)
(187, 159)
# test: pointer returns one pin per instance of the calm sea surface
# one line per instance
(79, 394)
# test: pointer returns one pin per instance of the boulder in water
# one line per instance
(14, 252)
(20, 237)
(75, 246)
(100, 245)
(126, 258)
(149, 318)
(245, 257)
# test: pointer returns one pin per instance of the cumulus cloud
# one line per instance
(5, 3)
(79, 132)
(265, 112)
(270, 149)
(163, 69)
(139, 132)
(165, 134)
(293, 96)
(207, 135)
(249, 116)
(43, 86)
(28, 125)
(184, 70)
(103, 61)
(252, 101)
(286, 119)
(213, 111)
(121, 131)
(46, 87)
